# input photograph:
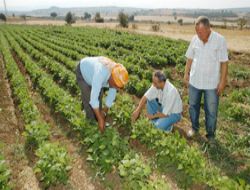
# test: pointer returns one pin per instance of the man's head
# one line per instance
(203, 28)
(159, 79)
(119, 77)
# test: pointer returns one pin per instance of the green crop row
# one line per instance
(171, 149)
(4, 175)
(36, 130)
(124, 118)
(105, 151)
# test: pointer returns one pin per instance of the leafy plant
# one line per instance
(53, 164)
(105, 150)
(4, 175)
(36, 133)
(134, 171)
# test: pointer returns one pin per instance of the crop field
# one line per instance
(47, 143)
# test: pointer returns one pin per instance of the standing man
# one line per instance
(205, 73)
(93, 74)
(164, 105)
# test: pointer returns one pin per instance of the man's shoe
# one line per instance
(191, 133)
(170, 129)
(211, 141)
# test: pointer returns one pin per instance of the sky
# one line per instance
(207, 4)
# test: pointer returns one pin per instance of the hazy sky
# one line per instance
(37, 4)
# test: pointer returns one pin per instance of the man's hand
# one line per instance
(187, 71)
(135, 115)
(220, 88)
(137, 111)
(150, 116)
(223, 80)
(101, 124)
(156, 116)
(105, 110)
(100, 118)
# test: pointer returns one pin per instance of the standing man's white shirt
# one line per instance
(169, 98)
(205, 69)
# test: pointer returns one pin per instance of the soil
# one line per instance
(12, 142)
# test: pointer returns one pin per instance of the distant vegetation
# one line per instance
(87, 16)
(98, 18)
(241, 23)
(3, 17)
(53, 14)
(123, 19)
(156, 27)
(212, 14)
(70, 18)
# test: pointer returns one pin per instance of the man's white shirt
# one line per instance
(207, 59)
(169, 98)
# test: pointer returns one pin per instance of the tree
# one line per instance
(3, 17)
(123, 19)
(23, 17)
(87, 16)
(156, 27)
(98, 18)
(53, 14)
(131, 18)
(180, 21)
(242, 22)
(69, 18)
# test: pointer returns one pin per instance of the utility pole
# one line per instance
(5, 8)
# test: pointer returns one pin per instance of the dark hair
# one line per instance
(160, 75)
(202, 20)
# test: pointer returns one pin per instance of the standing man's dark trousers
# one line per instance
(211, 103)
(85, 94)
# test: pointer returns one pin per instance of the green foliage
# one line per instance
(53, 14)
(3, 17)
(242, 74)
(53, 164)
(87, 16)
(70, 18)
(52, 158)
(138, 53)
(238, 112)
(123, 19)
(122, 117)
(98, 18)
(240, 96)
(137, 86)
(4, 175)
(36, 133)
(105, 150)
(134, 171)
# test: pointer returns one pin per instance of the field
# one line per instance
(237, 40)
(47, 143)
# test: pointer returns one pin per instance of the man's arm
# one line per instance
(156, 116)
(137, 111)
(94, 101)
(223, 78)
(187, 71)
(109, 100)
(223, 58)
(100, 118)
